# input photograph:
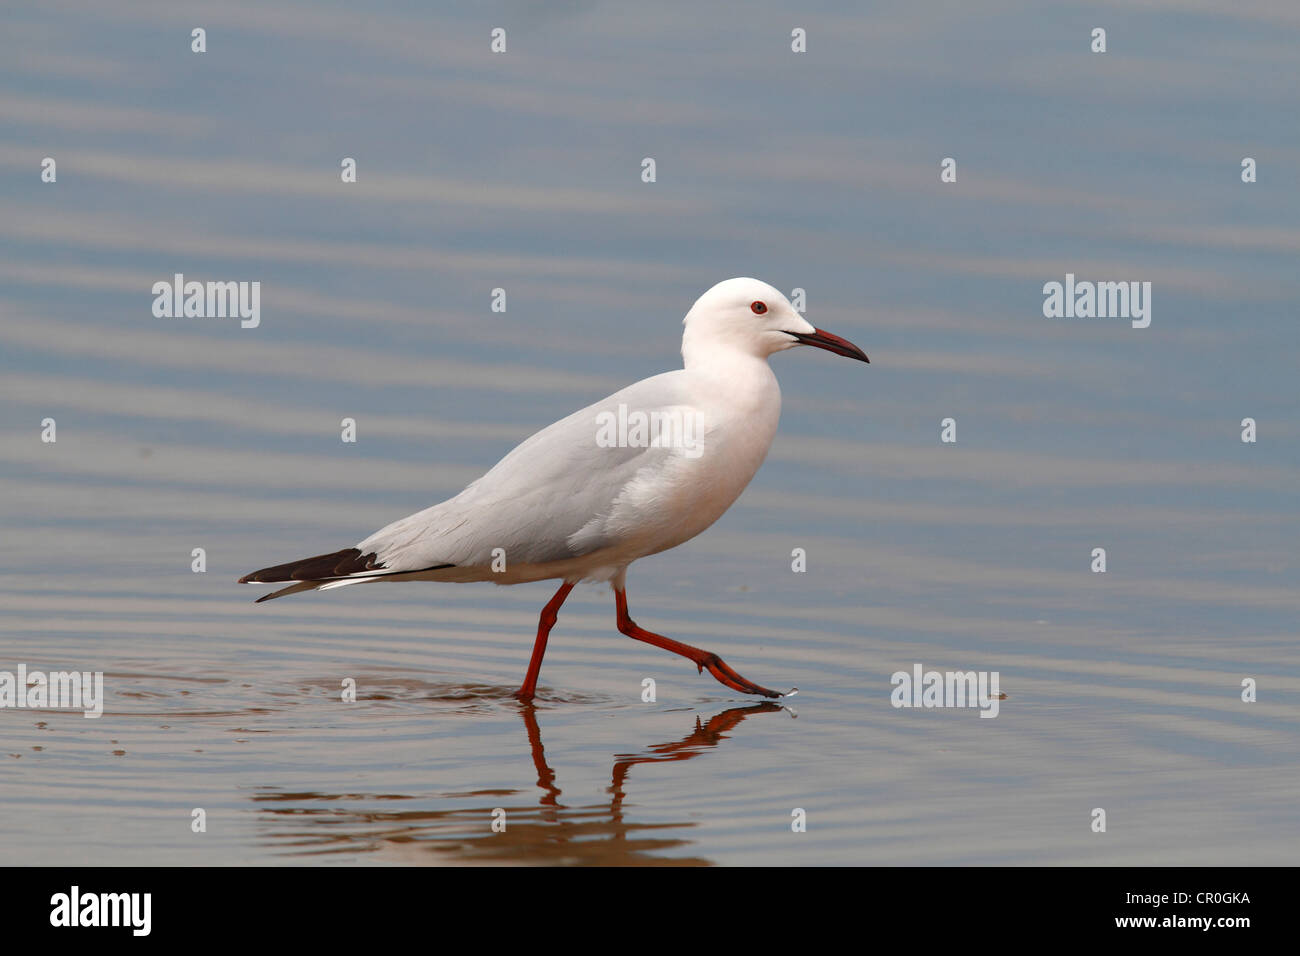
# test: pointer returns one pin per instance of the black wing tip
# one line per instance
(320, 567)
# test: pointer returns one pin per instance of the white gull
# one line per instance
(636, 473)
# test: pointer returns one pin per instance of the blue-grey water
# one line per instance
(522, 171)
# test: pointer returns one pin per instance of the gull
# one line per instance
(637, 473)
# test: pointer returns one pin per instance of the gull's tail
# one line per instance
(291, 589)
(348, 566)
(310, 573)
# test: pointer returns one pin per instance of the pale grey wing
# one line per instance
(547, 500)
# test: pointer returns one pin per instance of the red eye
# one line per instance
(758, 308)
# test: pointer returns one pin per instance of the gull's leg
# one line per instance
(702, 659)
(550, 614)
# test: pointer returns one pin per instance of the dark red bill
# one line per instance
(831, 343)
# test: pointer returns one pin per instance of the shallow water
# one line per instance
(1123, 689)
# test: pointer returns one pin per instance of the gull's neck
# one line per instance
(729, 376)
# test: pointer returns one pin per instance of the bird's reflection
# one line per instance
(547, 832)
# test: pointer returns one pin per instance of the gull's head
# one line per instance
(754, 318)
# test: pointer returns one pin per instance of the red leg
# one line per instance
(550, 614)
(702, 659)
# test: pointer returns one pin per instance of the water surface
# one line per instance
(522, 171)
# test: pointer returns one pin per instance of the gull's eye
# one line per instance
(758, 308)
